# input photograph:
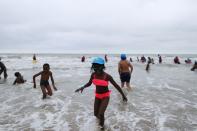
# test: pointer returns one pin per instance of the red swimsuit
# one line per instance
(104, 83)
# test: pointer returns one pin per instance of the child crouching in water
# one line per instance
(19, 78)
(44, 83)
(102, 94)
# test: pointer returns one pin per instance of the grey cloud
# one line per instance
(105, 26)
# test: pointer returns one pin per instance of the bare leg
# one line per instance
(128, 86)
(49, 91)
(102, 108)
(43, 92)
(97, 103)
(122, 84)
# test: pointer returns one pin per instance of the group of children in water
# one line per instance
(98, 77)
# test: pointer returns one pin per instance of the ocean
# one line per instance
(163, 99)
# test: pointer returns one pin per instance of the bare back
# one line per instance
(124, 66)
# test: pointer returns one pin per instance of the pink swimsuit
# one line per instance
(99, 82)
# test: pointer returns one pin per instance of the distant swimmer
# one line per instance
(83, 59)
(3, 69)
(188, 61)
(160, 59)
(176, 60)
(19, 78)
(148, 66)
(106, 60)
(44, 83)
(138, 59)
(34, 57)
(149, 60)
(125, 70)
(131, 59)
(194, 66)
(102, 94)
(143, 59)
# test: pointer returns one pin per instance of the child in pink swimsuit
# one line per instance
(102, 94)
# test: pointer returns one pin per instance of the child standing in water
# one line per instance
(44, 83)
(102, 94)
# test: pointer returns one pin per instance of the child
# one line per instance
(44, 83)
(100, 79)
(19, 78)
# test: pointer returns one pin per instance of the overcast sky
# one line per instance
(98, 26)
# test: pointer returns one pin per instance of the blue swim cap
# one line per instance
(123, 56)
(98, 60)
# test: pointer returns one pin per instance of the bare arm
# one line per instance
(117, 87)
(86, 85)
(14, 82)
(34, 77)
(89, 82)
(119, 69)
(52, 80)
(131, 67)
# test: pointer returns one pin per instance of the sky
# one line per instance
(98, 26)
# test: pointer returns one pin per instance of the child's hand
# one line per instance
(80, 89)
(54, 88)
(124, 99)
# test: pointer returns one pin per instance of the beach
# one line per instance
(163, 99)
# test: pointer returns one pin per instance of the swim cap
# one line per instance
(123, 56)
(98, 60)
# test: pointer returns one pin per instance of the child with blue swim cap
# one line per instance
(102, 94)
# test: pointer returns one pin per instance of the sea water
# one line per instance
(163, 99)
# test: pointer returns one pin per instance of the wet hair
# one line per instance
(99, 67)
(46, 64)
(17, 74)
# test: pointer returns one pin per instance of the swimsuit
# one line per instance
(44, 83)
(125, 77)
(104, 84)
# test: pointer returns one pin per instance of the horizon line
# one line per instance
(74, 53)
